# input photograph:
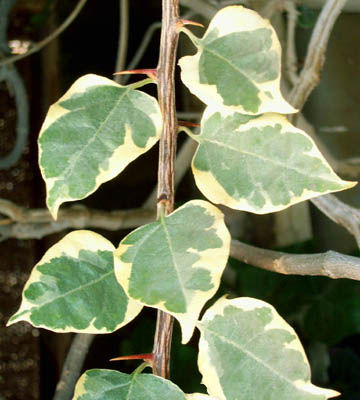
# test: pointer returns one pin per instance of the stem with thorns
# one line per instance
(165, 204)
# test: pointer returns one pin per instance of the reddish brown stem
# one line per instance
(166, 97)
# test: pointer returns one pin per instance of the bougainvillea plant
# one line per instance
(249, 157)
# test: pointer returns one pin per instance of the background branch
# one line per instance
(340, 213)
(291, 57)
(315, 56)
(330, 264)
(72, 367)
(9, 74)
(123, 39)
(23, 223)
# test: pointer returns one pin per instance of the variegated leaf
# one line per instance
(73, 288)
(237, 64)
(91, 134)
(102, 384)
(247, 350)
(175, 264)
(259, 164)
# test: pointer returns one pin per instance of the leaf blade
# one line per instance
(91, 134)
(237, 64)
(246, 349)
(259, 164)
(65, 291)
(174, 265)
(97, 384)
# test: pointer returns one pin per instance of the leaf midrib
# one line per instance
(267, 160)
(235, 67)
(251, 355)
(74, 160)
(88, 284)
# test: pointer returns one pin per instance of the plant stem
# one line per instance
(123, 39)
(167, 151)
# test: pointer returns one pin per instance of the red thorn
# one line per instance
(150, 72)
(145, 357)
(182, 22)
(188, 123)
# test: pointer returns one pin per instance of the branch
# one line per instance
(72, 367)
(38, 46)
(291, 57)
(330, 264)
(123, 39)
(182, 164)
(315, 56)
(23, 223)
(167, 151)
(340, 213)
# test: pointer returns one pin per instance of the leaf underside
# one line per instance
(91, 134)
(175, 264)
(259, 164)
(73, 288)
(247, 349)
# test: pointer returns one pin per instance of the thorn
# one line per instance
(188, 123)
(145, 357)
(182, 22)
(150, 72)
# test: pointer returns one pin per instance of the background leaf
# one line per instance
(73, 288)
(259, 164)
(237, 64)
(175, 264)
(91, 134)
(97, 384)
(247, 349)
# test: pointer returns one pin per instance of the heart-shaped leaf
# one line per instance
(73, 288)
(175, 264)
(91, 134)
(259, 164)
(237, 64)
(248, 350)
(102, 384)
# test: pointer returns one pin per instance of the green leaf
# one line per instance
(237, 64)
(73, 288)
(259, 164)
(91, 134)
(102, 384)
(175, 264)
(246, 349)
